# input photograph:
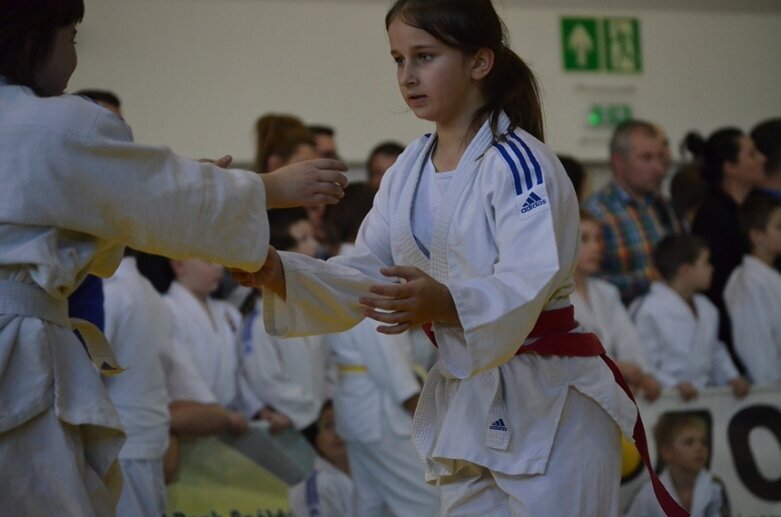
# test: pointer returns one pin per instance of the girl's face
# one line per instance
(591, 247)
(53, 74)
(438, 83)
(750, 165)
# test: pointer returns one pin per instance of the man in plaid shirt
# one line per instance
(633, 213)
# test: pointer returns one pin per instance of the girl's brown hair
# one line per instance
(27, 30)
(468, 26)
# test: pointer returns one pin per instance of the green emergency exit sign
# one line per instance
(601, 45)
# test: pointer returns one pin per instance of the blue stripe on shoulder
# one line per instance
(535, 163)
(513, 168)
(527, 173)
(427, 135)
(312, 496)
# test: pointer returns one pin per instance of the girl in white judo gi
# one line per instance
(679, 326)
(682, 443)
(479, 225)
(598, 307)
(75, 191)
(753, 293)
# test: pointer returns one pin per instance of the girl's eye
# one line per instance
(399, 61)
(425, 57)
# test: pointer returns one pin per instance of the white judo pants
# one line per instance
(389, 478)
(582, 477)
(45, 470)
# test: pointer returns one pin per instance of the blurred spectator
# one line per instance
(328, 491)
(325, 141)
(576, 173)
(753, 292)
(682, 443)
(633, 213)
(679, 326)
(598, 307)
(289, 374)
(767, 138)
(380, 159)
(732, 168)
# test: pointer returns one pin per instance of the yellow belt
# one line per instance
(352, 368)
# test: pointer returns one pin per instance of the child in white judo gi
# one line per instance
(75, 191)
(679, 326)
(753, 292)
(328, 490)
(139, 327)
(682, 443)
(375, 397)
(290, 375)
(209, 328)
(475, 228)
(598, 307)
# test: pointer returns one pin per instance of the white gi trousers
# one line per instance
(582, 476)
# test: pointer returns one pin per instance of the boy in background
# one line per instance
(753, 292)
(682, 443)
(679, 326)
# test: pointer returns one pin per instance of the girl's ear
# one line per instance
(482, 63)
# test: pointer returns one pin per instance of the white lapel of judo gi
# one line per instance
(753, 298)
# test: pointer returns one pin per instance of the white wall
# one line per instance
(195, 74)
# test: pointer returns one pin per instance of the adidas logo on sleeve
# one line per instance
(532, 201)
(498, 426)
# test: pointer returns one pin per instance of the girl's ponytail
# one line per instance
(512, 87)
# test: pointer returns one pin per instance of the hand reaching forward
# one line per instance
(312, 182)
(416, 300)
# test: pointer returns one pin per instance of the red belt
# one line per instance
(552, 331)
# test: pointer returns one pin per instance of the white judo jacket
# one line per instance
(75, 191)
(505, 243)
(753, 298)
(288, 374)
(708, 498)
(605, 315)
(682, 346)
(211, 335)
(140, 330)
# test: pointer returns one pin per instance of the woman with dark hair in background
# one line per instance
(731, 167)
